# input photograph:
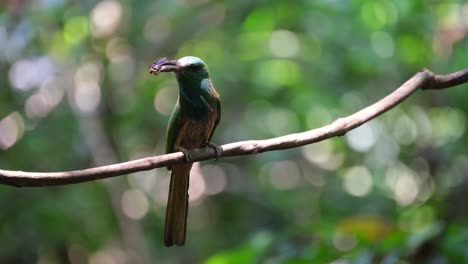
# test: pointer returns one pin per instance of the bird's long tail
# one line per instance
(177, 206)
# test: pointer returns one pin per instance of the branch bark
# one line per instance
(424, 79)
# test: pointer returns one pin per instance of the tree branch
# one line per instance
(424, 79)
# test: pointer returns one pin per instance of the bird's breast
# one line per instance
(195, 133)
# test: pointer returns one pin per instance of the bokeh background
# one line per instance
(75, 93)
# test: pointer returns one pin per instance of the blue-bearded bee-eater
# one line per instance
(192, 123)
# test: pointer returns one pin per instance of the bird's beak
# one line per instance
(163, 65)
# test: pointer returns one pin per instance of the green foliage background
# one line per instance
(75, 92)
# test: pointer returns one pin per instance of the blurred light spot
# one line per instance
(122, 68)
(161, 188)
(165, 99)
(344, 242)
(23, 75)
(319, 152)
(104, 257)
(105, 18)
(448, 124)
(284, 175)
(45, 67)
(87, 96)
(281, 121)
(318, 115)
(89, 72)
(261, 239)
(197, 187)
(117, 47)
(276, 73)
(404, 130)
(367, 228)
(419, 220)
(315, 178)
(376, 15)
(387, 149)
(236, 182)
(52, 91)
(322, 155)
(450, 15)
(58, 48)
(215, 179)
(451, 27)
(284, 44)
(252, 46)
(411, 49)
(11, 130)
(157, 29)
(87, 92)
(45, 99)
(392, 174)
(357, 181)
(373, 14)
(143, 180)
(339, 261)
(361, 139)
(27, 74)
(36, 106)
(403, 183)
(134, 204)
(19, 35)
(259, 20)
(423, 124)
(383, 44)
(75, 30)
(426, 190)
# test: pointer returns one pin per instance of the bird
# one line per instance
(193, 121)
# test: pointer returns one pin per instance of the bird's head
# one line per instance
(189, 67)
(194, 83)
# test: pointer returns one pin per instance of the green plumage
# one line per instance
(192, 123)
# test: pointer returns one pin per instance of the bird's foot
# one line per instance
(188, 157)
(217, 149)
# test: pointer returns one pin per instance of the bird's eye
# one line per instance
(196, 67)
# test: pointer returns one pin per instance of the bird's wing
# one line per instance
(175, 125)
(218, 118)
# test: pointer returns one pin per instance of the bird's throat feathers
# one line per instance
(196, 96)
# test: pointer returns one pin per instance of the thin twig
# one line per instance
(424, 79)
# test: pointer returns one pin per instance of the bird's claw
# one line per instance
(216, 148)
(188, 157)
